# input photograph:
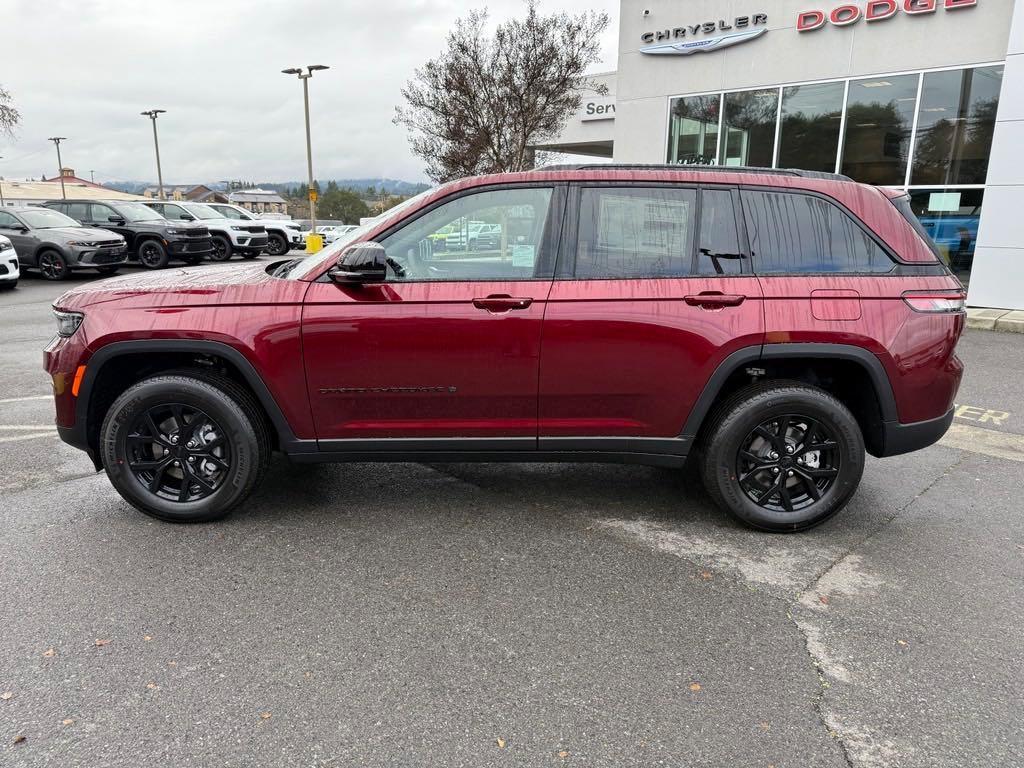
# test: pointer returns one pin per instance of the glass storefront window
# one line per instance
(879, 119)
(749, 132)
(954, 126)
(809, 135)
(950, 217)
(693, 132)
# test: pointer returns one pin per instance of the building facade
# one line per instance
(921, 95)
(260, 201)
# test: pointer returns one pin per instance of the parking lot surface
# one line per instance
(476, 615)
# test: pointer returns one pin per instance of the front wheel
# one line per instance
(277, 245)
(221, 248)
(52, 265)
(783, 456)
(185, 448)
(153, 255)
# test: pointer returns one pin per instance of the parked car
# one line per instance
(773, 326)
(332, 232)
(9, 269)
(56, 244)
(474, 234)
(150, 238)
(230, 236)
(283, 235)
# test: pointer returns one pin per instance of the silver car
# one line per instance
(56, 244)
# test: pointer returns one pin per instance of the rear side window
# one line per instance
(793, 233)
(77, 211)
(902, 204)
(719, 250)
(629, 232)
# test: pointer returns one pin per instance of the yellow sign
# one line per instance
(312, 195)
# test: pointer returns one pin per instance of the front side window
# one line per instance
(748, 132)
(136, 212)
(102, 213)
(200, 211)
(627, 232)
(493, 235)
(797, 233)
(228, 212)
(7, 221)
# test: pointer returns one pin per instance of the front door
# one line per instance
(652, 292)
(23, 241)
(445, 353)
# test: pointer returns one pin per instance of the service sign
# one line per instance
(598, 108)
(704, 37)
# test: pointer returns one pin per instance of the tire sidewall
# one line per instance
(160, 262)
(282, 242)
(225, 253)
(740, 422)
(219, 407)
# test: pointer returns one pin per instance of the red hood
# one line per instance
(195, 286)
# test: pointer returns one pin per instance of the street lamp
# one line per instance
(60, 166)
(304, 77)
(152, 115)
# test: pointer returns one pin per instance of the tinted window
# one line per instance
(77, 211)
(791, 232)
(719, 249)
(635, 232)
(494, 235)
(7, 221)
(101, 213)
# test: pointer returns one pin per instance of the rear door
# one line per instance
(652, 292)
(24, 243)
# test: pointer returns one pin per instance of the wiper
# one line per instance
(284, 269)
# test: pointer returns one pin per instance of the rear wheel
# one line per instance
(221, 248)
(277, 245)
(52, 265)
(783, 456)
(185, 448)
(153, 255)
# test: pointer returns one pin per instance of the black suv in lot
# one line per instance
(151, 239)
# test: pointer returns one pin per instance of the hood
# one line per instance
(88, 234)
(195, 286)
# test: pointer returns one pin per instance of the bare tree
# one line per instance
(482, 104)
(9, 116)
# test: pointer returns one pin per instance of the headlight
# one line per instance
(296, 227)
(76, 242)
(238, 229)
(4, 245)
(67, 322)
(177, 231)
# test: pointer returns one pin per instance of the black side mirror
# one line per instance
(360, 263)
(187, 217)
(115, 219)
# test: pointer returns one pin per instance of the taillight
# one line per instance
(936, 301)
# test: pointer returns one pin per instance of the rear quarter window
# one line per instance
(791, 233)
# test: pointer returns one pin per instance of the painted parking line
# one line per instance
(26, 399)
(989, 442)
(30, 436)
(27, 427)
(981, 415)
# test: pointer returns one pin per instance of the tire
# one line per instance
(230, 456)
(52, 265)
(153, 254)
(798, 488)
(221, 248)
(277, 245)
(109, 270)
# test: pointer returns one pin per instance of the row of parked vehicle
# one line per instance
(61, 236)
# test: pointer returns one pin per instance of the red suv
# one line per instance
(772, 325)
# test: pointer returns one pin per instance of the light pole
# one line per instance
(60, 166)
(1, 188)
(92, 176)
(152, 115)
(304, 77)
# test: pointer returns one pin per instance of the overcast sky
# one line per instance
(85, 69)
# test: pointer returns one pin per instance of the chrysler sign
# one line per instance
(704, 37)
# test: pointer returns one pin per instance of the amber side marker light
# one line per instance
(77, 383)
(935, 301)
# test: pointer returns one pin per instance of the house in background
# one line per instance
(15, 193)
(196, 193)
(260, 201)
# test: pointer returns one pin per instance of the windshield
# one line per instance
(201, 211)
(230, 212)
(43, 219)
(136, 212)
(299, 268)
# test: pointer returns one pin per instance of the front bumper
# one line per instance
(91, 256)
(904, 438)
(251, 243)
(9, 267)
(190, 246)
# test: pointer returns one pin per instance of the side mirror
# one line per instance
(360, 263)
(115, 220)
(187, 217)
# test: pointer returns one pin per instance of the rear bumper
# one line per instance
(904, 438)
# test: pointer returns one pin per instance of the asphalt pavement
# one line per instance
(526, 615)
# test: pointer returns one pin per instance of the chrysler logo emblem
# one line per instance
(703, 45)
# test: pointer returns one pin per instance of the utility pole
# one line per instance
(1, 188)
(60, 165)
(304, 77)
(92, 176)
(152, 115)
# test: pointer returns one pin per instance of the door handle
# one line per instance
(502, 302)
(714, 300)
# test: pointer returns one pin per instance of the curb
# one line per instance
(1005, 320)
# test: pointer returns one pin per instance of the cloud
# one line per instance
(85, 69)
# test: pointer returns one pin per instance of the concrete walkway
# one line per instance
(1011, 321)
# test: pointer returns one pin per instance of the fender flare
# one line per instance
(78, 435)
(799, 351)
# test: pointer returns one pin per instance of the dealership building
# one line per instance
(921, 95)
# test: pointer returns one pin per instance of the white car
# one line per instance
(283, 234)
(9, 270)
(332, 232)
(230, 236)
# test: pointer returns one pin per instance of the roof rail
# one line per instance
(694, 168)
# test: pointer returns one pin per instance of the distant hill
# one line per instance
(388, 186)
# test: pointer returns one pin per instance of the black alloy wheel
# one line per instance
(277, 245)
(177, 452)
(221, 249)
(153, 255)
(787, 463)
(52, 265)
